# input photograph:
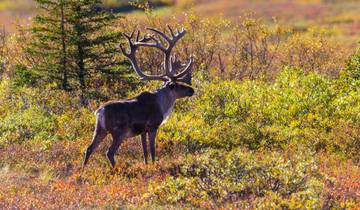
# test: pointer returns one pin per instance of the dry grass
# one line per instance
(300, 13)
(342, 15)
(15, 12)
(35, 178)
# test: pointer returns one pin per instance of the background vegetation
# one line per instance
(274, 124)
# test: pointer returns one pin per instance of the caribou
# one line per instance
(143, 114)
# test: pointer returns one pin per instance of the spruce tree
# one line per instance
(77, 44)
(92, 46)
(50, 42)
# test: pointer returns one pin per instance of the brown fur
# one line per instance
(141, 115)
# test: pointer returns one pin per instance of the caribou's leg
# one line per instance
(99, 135)
(152, 135)
(118, 138)
(144, 146)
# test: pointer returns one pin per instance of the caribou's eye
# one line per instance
(171, 85)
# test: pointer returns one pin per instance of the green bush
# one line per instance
(353, 66)
(43, 115)
(222, 176)
(31, 123)
(248, 143)
(298, 107)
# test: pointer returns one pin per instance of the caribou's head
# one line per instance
(176, 76)
(179, 90)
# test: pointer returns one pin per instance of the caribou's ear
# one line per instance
(187, 78)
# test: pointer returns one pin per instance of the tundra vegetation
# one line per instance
(274, 123)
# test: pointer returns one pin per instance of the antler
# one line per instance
(131, 55)
(171, 63)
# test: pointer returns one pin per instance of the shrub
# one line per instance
(31, 123)
(41, 115)
(299, 107)
(244, 47)
(314, 51)
(353, 65)
(221, 176)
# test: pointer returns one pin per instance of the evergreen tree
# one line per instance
(77, 44)
(50, 42)
(92, 46)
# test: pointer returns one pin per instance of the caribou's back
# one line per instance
(139, 114)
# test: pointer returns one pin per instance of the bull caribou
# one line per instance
(143, 114)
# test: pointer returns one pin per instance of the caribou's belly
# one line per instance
(136, 129)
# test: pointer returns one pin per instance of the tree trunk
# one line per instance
(80, 60)
(81, 74)
(65, 84)
(2, 51)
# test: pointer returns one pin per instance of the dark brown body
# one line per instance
(131, 115)
(141, 115)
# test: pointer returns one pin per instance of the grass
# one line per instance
(46, 179)
(32, 178)
(290, 144)
(5, 5)
(286, 142)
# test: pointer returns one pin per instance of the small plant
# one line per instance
(222, 176)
